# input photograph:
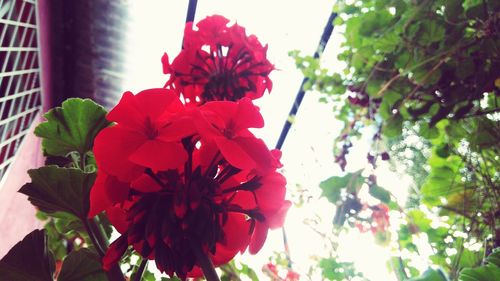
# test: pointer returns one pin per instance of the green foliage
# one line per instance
(82, 265)
(53, 189)
(28, 260)
(233, 271)
(72, 127)
(331, 269)
(423, 75)
(31, 260)
(333, 186)
(61, 194)
(380, 193)
(489, 271)
(431, 275)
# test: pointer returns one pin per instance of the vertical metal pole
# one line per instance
(327, 32)
(191, 12)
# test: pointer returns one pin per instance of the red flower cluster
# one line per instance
(218, 63)
(173, 177)
(180, 176)
(378, 221)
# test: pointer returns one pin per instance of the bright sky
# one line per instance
(157, 27)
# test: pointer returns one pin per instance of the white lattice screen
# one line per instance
(19, 75)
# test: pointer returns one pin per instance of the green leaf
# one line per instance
(387, 43)
(170, 279)
(373, 21)
(246, 270)
(443, 181)
(54, 189)
(483, 273)
(332, 186)
(487, 272)
(373, 87)
(420, 219)
(147, 276)
(426, 76)
(393, 127)
(66, 223)
(431, 275)
(428, 132)
(494, 257)
(380, 193)
(388, 100)
(430, 32)
(402, 60)
(71, 127)
(469, 258)
(28, 260)
(82, 265)
(453, 9)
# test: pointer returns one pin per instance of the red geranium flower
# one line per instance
(219, 63)
(171, 179)
(147, 134)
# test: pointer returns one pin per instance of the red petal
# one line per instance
(112, 147)
(258, 151)
(269, 84)
(277, 157)
(223, 255)
(179, 128)
(132, 111)
(278, 218)
(107, 191)
(114, 252)
(235, 154)
(272, 191)
(118, 218)
(99, 200)
(195, 272)
(205, 155)
(215, 23)
(116, 190)
(258, 238)
(166, 64)
(224, 109)
(244, 199)
(127, 112)
(156, 102)
(247, 116)
(159, 155)
(237, 232)
(145, 184)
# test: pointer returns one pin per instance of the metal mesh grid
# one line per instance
(20, 98)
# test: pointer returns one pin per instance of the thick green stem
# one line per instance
(204, 262)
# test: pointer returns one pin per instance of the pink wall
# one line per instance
(17, 215)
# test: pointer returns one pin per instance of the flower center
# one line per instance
(150, 129)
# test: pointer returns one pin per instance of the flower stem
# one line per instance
(140, 270)
(204, 262)
(115, 273)
(99, 233)
(93, 238)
